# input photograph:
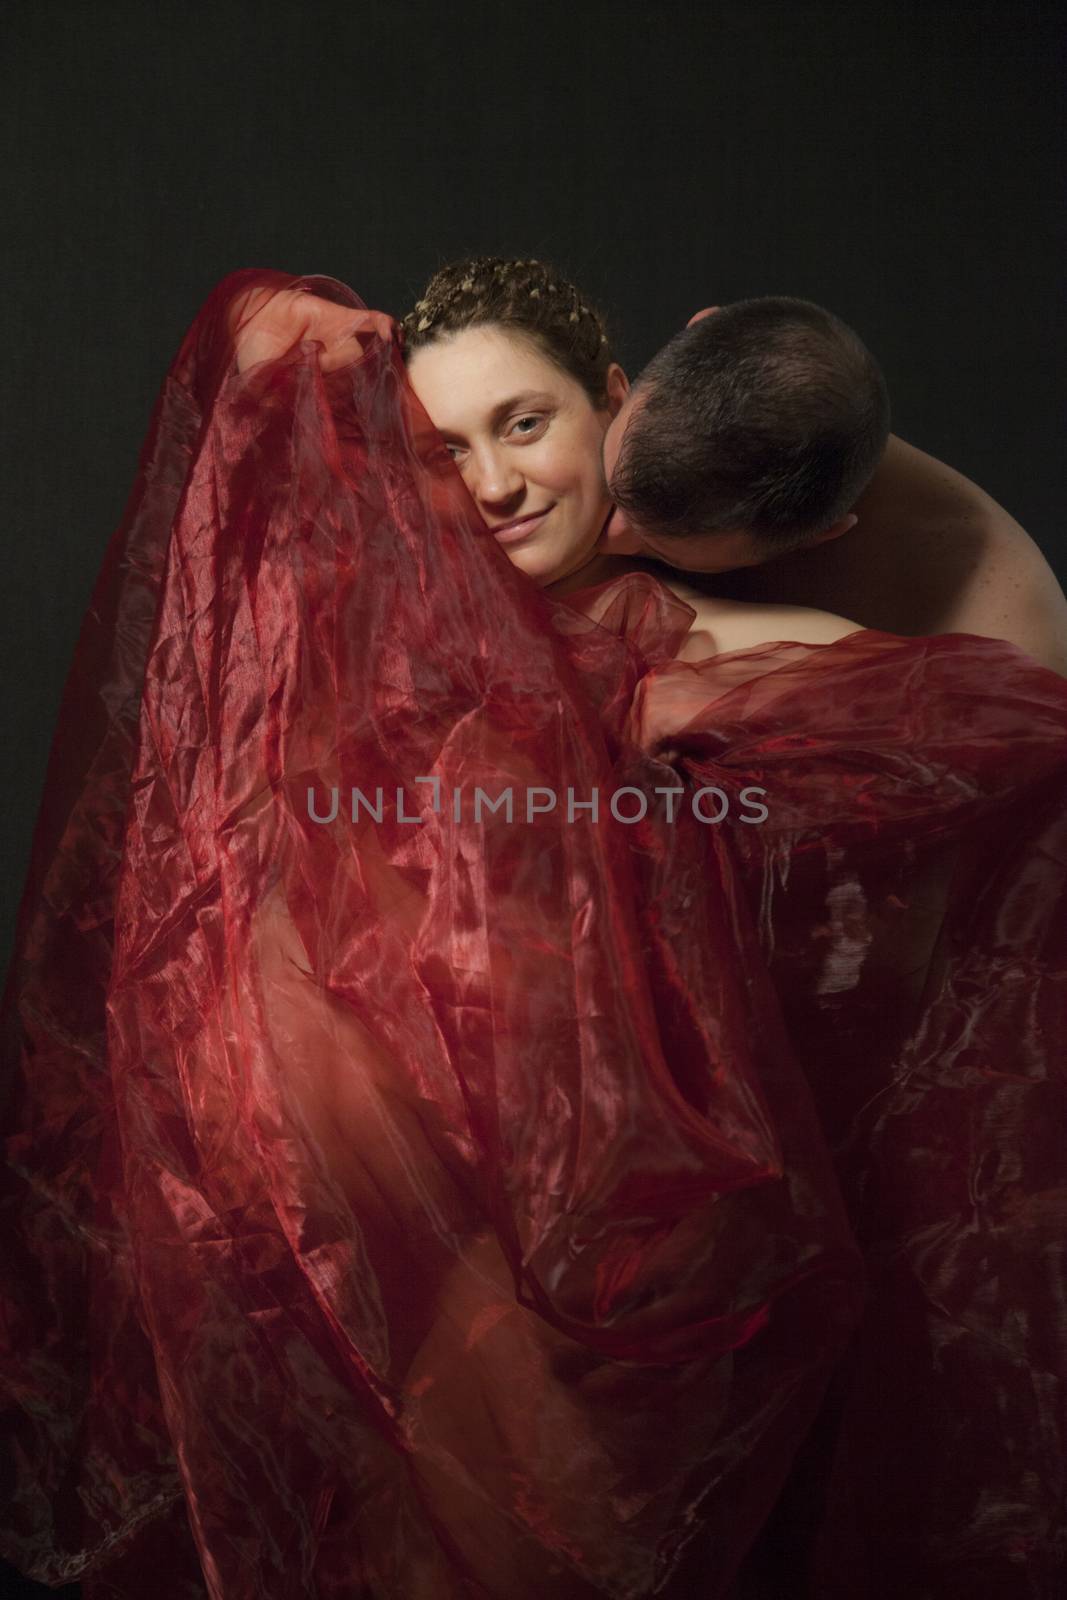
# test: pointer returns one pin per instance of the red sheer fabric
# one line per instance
(909, 885)
(405, 1201)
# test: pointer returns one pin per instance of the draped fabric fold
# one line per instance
(411, 1194)
(909, 887)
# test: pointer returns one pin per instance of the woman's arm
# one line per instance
(267, 322)
(722, 625)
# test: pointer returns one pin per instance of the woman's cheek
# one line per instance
(580, 466)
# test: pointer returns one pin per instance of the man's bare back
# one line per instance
(931, 553)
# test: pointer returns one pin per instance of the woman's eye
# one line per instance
(536, 422)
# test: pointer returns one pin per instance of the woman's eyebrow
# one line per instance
(528, 397)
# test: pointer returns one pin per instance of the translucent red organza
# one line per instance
(457, 1206)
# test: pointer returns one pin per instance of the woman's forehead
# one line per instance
(472, 372)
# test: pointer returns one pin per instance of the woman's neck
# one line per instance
(601, 568)
(597, 569)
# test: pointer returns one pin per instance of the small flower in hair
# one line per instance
(424, 322)
(468, 283)
(573, 317)
(535, 294)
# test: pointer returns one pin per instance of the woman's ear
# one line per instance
(617, 387)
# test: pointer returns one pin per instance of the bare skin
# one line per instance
(923, 551)
(721, 624)
(267, 323)
(543, 455)
(930, 553)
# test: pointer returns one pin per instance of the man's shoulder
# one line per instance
(1012, 593)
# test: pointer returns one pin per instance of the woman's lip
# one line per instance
(511, 534)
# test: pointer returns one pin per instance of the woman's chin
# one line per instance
(534, 566)
(542, 566)
(546, 566)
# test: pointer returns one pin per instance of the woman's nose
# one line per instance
(494, 478)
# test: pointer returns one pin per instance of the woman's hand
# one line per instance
(269, 322)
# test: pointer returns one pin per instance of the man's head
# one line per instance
(750, 434)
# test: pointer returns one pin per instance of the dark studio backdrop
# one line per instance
(896, 162)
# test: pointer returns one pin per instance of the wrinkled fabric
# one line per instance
(405, 1199)
(909, 885)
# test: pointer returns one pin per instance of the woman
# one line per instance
(384, 1217)
(414, 1207)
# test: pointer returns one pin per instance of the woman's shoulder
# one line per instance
(721, 625)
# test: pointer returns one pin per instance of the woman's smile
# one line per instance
(520, 528)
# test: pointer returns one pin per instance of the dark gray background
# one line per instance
(897, 162)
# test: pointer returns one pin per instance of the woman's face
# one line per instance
(527, 440)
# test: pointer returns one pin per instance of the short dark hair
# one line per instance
(769, 415)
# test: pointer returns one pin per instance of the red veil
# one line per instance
(405, 1201)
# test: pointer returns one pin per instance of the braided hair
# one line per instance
(526, 297)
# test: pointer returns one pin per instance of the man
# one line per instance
(765, 427)
(754, 494)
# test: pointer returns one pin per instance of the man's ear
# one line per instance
(836, 529)
(618, 387)
(697, 315)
